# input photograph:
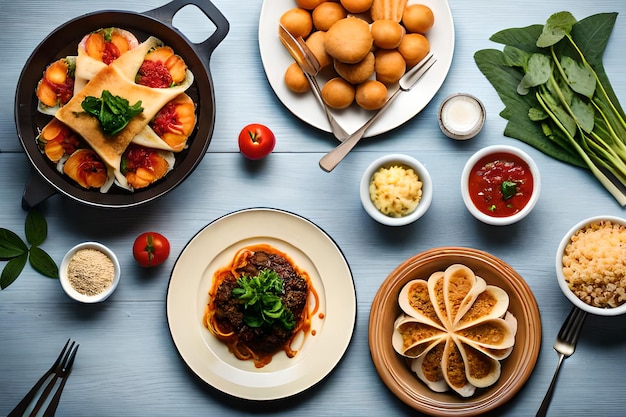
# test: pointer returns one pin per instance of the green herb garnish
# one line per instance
(261, 298)
(508, 189)
(17, 252)
(557, 95)
(113, 112)
(492, 207)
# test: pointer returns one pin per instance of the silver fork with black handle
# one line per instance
(60, 369)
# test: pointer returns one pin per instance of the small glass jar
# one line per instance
(461, 116)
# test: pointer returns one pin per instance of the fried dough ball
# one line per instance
(326, 14)
(418, 18)
(349, 40)
(371, 95)
(297, 21)
(390, 66)
(315, 42)
(295, 79)
(414, 47)
(338, 93)
(357, 6)
(356, 73)
(309, 4)
(387, 33)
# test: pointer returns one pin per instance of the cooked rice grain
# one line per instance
(594, 264)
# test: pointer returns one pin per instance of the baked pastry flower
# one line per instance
(455, 329)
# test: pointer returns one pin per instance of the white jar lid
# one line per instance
(461, 116)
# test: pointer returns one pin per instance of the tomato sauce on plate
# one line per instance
(500, 184)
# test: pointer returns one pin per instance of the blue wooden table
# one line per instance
(128, 365)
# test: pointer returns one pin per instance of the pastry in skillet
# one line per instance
(98, 49)
(56, 87)
(117, 80)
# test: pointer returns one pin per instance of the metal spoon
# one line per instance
(408, 81)
(305, 58)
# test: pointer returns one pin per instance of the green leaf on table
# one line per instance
(502, 70)
(12, 270)
(557, 26)
(11, 245)
(36, 227)
(579, 77)
(43, 263)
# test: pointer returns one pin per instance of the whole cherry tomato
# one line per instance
(256, 141)
(151, 249)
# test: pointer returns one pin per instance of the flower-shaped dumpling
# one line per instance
(454, 329)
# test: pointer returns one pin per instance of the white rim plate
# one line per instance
(214, 247)
(276, 59)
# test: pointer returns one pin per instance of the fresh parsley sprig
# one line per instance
(14, 250)
(261, 298)
(113, 112)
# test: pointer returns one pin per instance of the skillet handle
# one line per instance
(166, 14)
(36, 191)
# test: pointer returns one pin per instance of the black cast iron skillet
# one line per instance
(45, 180)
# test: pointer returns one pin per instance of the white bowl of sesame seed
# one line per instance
(89, 272)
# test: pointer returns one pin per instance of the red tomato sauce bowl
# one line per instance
(500, 184)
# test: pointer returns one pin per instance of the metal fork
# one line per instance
(60, 369)
(406, 83)
(565, 345)
(306, 59)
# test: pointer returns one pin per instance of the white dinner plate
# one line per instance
(276, 59)
(312, 250)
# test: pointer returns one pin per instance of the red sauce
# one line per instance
(154, 74)
(64, 91)
(486, 189)
(166, 120)
(111, 53)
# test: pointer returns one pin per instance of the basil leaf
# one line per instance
(11, 245)
(43, 263)
(113, 112)
(12, 270)
(508, 189)
(36, 228)
(261, 299)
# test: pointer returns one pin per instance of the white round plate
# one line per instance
(312, 250)
(276, 59)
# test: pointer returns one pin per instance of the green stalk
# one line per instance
(606, 182)
(598, 82)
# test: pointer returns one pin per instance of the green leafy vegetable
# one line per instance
(261, 298)
(113, 112)
(557, 95)
(508, 189)
(17, 253)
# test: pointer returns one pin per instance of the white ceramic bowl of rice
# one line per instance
(591, 265)
(396, 190)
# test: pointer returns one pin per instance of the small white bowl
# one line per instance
(609, 311)
(401, 160)
(492, 150)
(71, 291)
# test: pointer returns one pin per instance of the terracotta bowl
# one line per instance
(395, 372)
